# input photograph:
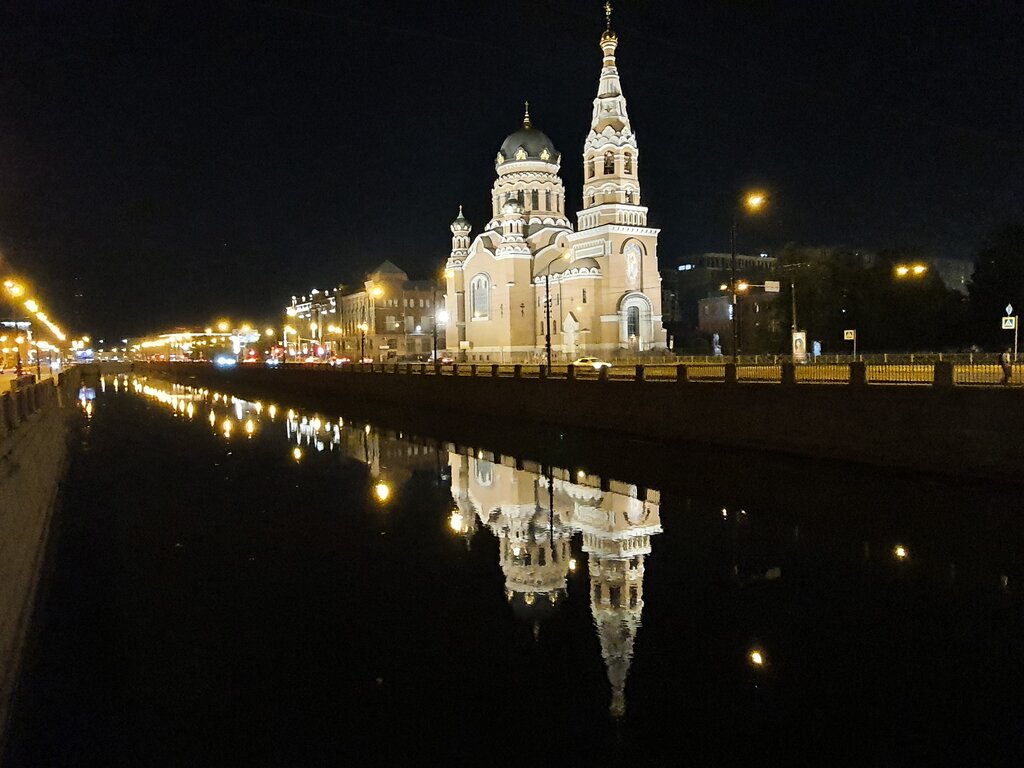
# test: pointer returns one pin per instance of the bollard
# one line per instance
(602, 373)
(542, 371)
(858, 373)
(423, 368)
(682, 374)
(472, 370)
(943, 375)
(437, 369)
(641, 373)
(730, 373)
(517, 371)
(570, 373)
(455, 369)
(788, 373)
(494, 370)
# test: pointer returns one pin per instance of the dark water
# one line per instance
(318, 591)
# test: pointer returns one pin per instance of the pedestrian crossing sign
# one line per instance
(1010, 323)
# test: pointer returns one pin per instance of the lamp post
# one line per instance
(363, 328)
(547, 306)
(752, 202)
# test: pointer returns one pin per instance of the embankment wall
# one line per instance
(33, 454)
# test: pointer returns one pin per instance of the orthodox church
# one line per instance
(594, 288)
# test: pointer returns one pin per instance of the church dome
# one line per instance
(511, 207)
(461, 224)
(528, 143)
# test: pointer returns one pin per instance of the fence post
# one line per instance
(730, 373)
(517, 371)
(455, 369)
(943, 375)
(789, 373)
(858, 373)
(423, 368)
(641, 373)
(472, 370)
(437, 369)
(682, 374)
(494, 370)
(543, 371)
(570, 372)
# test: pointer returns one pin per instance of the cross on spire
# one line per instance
(526, 115)
(608, 15)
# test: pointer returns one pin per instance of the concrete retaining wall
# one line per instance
(33, 451)
(962, 431)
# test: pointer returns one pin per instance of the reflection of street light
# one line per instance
(752, 203)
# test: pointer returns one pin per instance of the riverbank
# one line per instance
(33, 455)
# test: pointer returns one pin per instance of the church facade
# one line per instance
(594, 287)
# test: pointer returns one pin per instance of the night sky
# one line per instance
(187, 161)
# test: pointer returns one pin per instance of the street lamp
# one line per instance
(547, 306)
(438, 313)
(752, 203)
(363, 328)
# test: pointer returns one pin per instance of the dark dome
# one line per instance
(534, 143)
(543, 605)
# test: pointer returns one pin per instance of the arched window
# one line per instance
(480, 296)
(633, 322)
(590, 169)
(628, 163)
(629, 196)
(609, 162)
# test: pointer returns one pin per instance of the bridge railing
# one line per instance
(968, 369)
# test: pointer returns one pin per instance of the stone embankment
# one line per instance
(963, 431)
(33, 454)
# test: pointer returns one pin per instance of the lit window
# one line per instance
(480, 296)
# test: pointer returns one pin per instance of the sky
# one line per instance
(178, 162)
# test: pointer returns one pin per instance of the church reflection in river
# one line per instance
(534, 515)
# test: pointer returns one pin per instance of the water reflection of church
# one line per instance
(535, 515)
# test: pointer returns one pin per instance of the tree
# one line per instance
(998, 280)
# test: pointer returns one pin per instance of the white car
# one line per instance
(593, 362)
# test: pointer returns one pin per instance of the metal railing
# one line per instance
(969, 369)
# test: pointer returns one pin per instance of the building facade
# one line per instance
(391, 318)
(594, 288)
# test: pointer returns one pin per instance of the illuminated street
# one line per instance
(278, 584)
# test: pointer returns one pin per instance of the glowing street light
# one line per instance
(753, 202)
(363, 328)
(911, 270)
(382, 491)
(756, 657)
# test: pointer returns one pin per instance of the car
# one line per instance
(593, 362)
(340, 360)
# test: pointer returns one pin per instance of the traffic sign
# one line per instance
(1009, 309)
(772, 286)
(849, 335)
(1010, 323)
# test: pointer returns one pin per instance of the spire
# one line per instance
(526, 116)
